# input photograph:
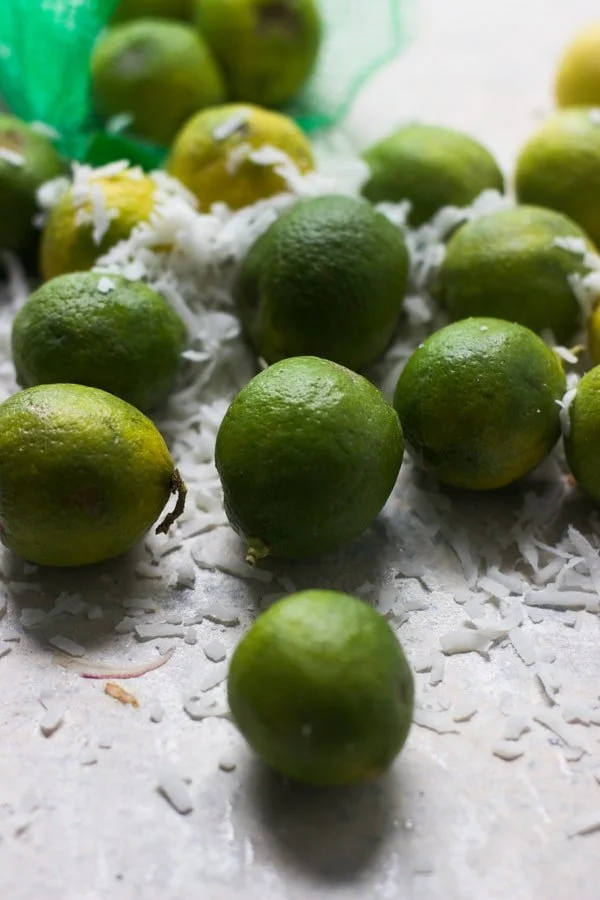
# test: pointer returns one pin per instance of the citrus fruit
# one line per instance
(267, 48)
(108, 333)
(478, 403)
(578, 76)
(83, 475)
(582, 442)
(159, 72)
(88, 221)
(27, 160)
(308, 454)
(327, 279)
(507, 265)
(154, 9)
(432, 167)
(560, 168)
(321, 689)
(212, 154)
(593, 334)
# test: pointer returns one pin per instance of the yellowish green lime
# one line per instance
(432, 167)
(478, 403)
(578, 76)
(511, 265)
(27, 160)
(268, 48)
(593, 334)
(582, 442)
(83, 475)
(321, 689)
(560, 168)
(159, 72)
(112, 334)
(213, 154)
(308, 454)
(154, 9)
(72, 241)
(327, 279)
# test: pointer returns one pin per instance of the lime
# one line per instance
(321, 689)
(213, 154)
(560, 168)
(582, 442)
(268, 48)
(327, 279)
(593, 334)
(432, 167)
(578, 76)
(88, 221)
(83, 475)
(507, 265)
(108, 333)
(159, 72)
(27, 160)
(478, 403)
(154, 9)
(308, 454)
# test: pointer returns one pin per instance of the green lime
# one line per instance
(593, 335)
(432, 167)
(321, 689)
(154, 9)
(27, 160)
(308, 454)
(159, 72)
(267, 48)
(478, 403)
(327, 279)
(83, 475)
(582, 442)
(560, 168)
(578, 76)
(213, 154)
(77, 233)
(108, 333)
(511, 265)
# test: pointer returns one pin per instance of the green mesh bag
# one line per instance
(45, 48)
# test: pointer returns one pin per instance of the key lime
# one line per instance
(108, 333)
(308, 454)
(578, 76)
(478, 403)
(83, 475)
(327, 279)
(432, 167)
(512, 265)
(154, 9)
(321, 689)
(582, 443)
(214, 154)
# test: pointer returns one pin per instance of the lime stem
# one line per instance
(257, 550)
(177, 487)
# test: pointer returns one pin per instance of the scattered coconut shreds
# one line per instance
(153, 631)
(463, 711)
(147, 570)
(106, 285)
(552, 720)
(5, 649)
(573, 754)
(172, 786)
(523, 646)
(52, 718)
(441, 723)
(221, 614)
(507, 750)
(119, 693)
(157, 713)
(215, 651)
(12, 157)
(141, 604)
(515, 728)
(438, 665)
(2, 606)
(66, 645)
(89, 757)
(227, 763)
(588, 553)
(464, 640)
(585, 824)
(550, 598)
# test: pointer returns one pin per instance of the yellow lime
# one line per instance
(327, 279)
(308, 454)
(478, 403)
(512, 265)
(321, 689)
(213, 154)
(560, 168)
(593, 335)
(111, 334)
(582, 442)
(578, 76)
(268, 48)
(432, 167)
(83, 475)
(88, 221)
(27, 160)
(159, 72)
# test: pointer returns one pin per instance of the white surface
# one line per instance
(451, 821)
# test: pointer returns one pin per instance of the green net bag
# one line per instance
(45, 48)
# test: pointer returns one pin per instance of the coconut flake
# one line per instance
(172, 786)
(155, 631)
(157, 713)
(550, 598)
(66, 645)
(515, 727)
(215, 651)
(464, 640)
(507, 750)
(438, 666)
(585, 824)
(463, 711)
(522, 645)
(552, 720)
(12, 157)
(52, 718)
(441, 723)
(106, 285)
